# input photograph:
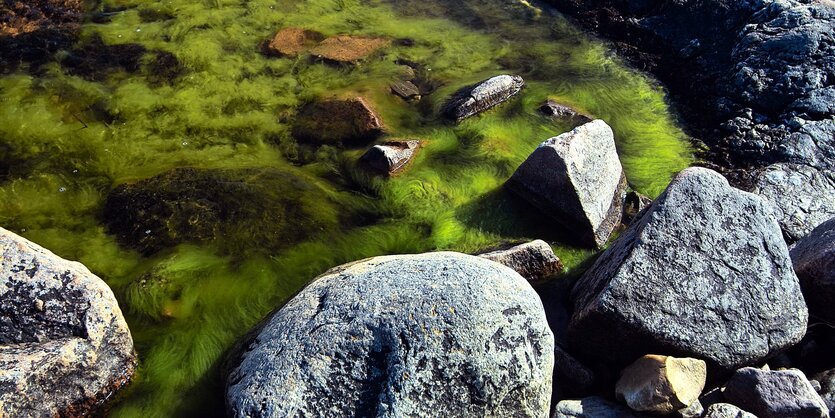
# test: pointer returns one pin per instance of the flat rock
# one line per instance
(391, 156)
(291, 42)
(704, 273)
(534, 260)
(338, 120)
(65, 348)
(661, 384)
(406, 90)
(775, 394)
(814, 263)
(348, 48)
(472, 100)
(591, 407)
(560, 111)
(576, 178)
(410, 335)
(726, 410)
(803, 196)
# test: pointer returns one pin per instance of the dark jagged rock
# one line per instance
(814, 263)
(291, 42)
(406, 90)
(561, 111)
(65, 348)
(576, 178)
(726, 410)
(338, 120)
(775, 394)
(705, 273)
(266, 208)
(411, 335)
(634, 206)
(534, 260)
(392, 156)
(472, 100)
(803, 196)
(827, 389)
(348, 49)
(592, 407)
(571, 377)
(95, 60)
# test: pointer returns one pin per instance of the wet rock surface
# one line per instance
(65, 348)
(392, 156)
(577, 179)
(348, 49)
(535, 260)
(705, 273)
(338, 120)
(401, 336)
(472, 100)
(661, 384)
(406, 90)
(291, 42)
(774, 394)
(814, 263)
(560, 111)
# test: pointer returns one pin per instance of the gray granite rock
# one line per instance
(695, 410)
(577, 179)
(726, 410)
(814, 263)
(65, 348)
(390, 157)
(411, 335)
(571, 377)
(774, 394)
(533, 260)
(827, 389)
(487, 94)
(803, 196)
(592, 407)
(705, 273)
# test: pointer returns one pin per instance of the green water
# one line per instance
(68, 137)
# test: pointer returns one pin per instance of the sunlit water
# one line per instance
(69, 135)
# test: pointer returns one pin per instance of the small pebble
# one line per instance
(39, 305)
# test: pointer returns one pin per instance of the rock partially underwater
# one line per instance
(65, 348)
(291, 42)
(336, 121)
(412, 335)
(472, 100)
(391, 156)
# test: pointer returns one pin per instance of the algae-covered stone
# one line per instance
(65, 348)
(391, 156)
(338, 120)
(410, 335)
(291, 41)
(475, 99)
(661, 384)
(348, 48)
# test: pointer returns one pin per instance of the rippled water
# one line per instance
(158, 85)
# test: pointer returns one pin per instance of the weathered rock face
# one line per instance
(775, 394)
(560, 111)
(704, 273)
(64, 346)
(827, 390)
(803, 196)
(291, 42)
(191, 205)
(533, 260)
(726, 410)
(334, 121)
(408, 335)
(592, 407)
(814, 263)
(487, 94)
(392, 156)
(661, 384)
(577, 179)
(348, 49)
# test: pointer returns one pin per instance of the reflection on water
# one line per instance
(89, 139)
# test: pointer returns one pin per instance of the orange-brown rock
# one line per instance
(338, 120)
(291, 42)
(349, 49)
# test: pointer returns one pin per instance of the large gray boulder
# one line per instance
(704, 273)
(410, 335)
(472, 100)
(64, 346)
(577, 179)
(814, 263)
(803, 196)
(775, 394)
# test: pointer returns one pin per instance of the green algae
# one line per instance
(203, 96)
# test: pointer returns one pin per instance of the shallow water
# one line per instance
(194, 91)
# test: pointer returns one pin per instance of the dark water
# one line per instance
(175, 84)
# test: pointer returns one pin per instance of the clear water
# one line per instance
(68, 137)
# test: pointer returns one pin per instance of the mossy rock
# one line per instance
(348, 49)
(254, 208)
(292, 42)
(336, 121)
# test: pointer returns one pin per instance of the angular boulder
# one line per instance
(803, 196)
(472, 100)
(338, 120)
(392, 156)
(827, 389)
(726, 410)
(534, 260)
(704, 273)
(291, 42)
(348, 49)
(661, 384)
(577, 179)
(814, 263)
(775, 394)
(406, 90)
(65, 348)
(409, 335)
(591, 407)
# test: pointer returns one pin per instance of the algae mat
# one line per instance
(174, 102)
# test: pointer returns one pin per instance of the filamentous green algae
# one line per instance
(159, 85)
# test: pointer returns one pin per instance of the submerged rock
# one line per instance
(411, 335)
(726, 410)
(534, 260)
(592, 407)
(392, 156)
(803, 196)
(661, 384)
(348, 48)
(475, 99)
(704, 273)
(406, 90)
(576, 178)
(560, 111)
(291, 42)
(775, 394)
(338, 120)
(65, 348)
(814, 263)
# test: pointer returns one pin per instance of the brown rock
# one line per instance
(560, 111)
(406, 90)
(348, 49)
(291, 42)
(535, 260)
(392, 156)
(338, 120)
(661, 384)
